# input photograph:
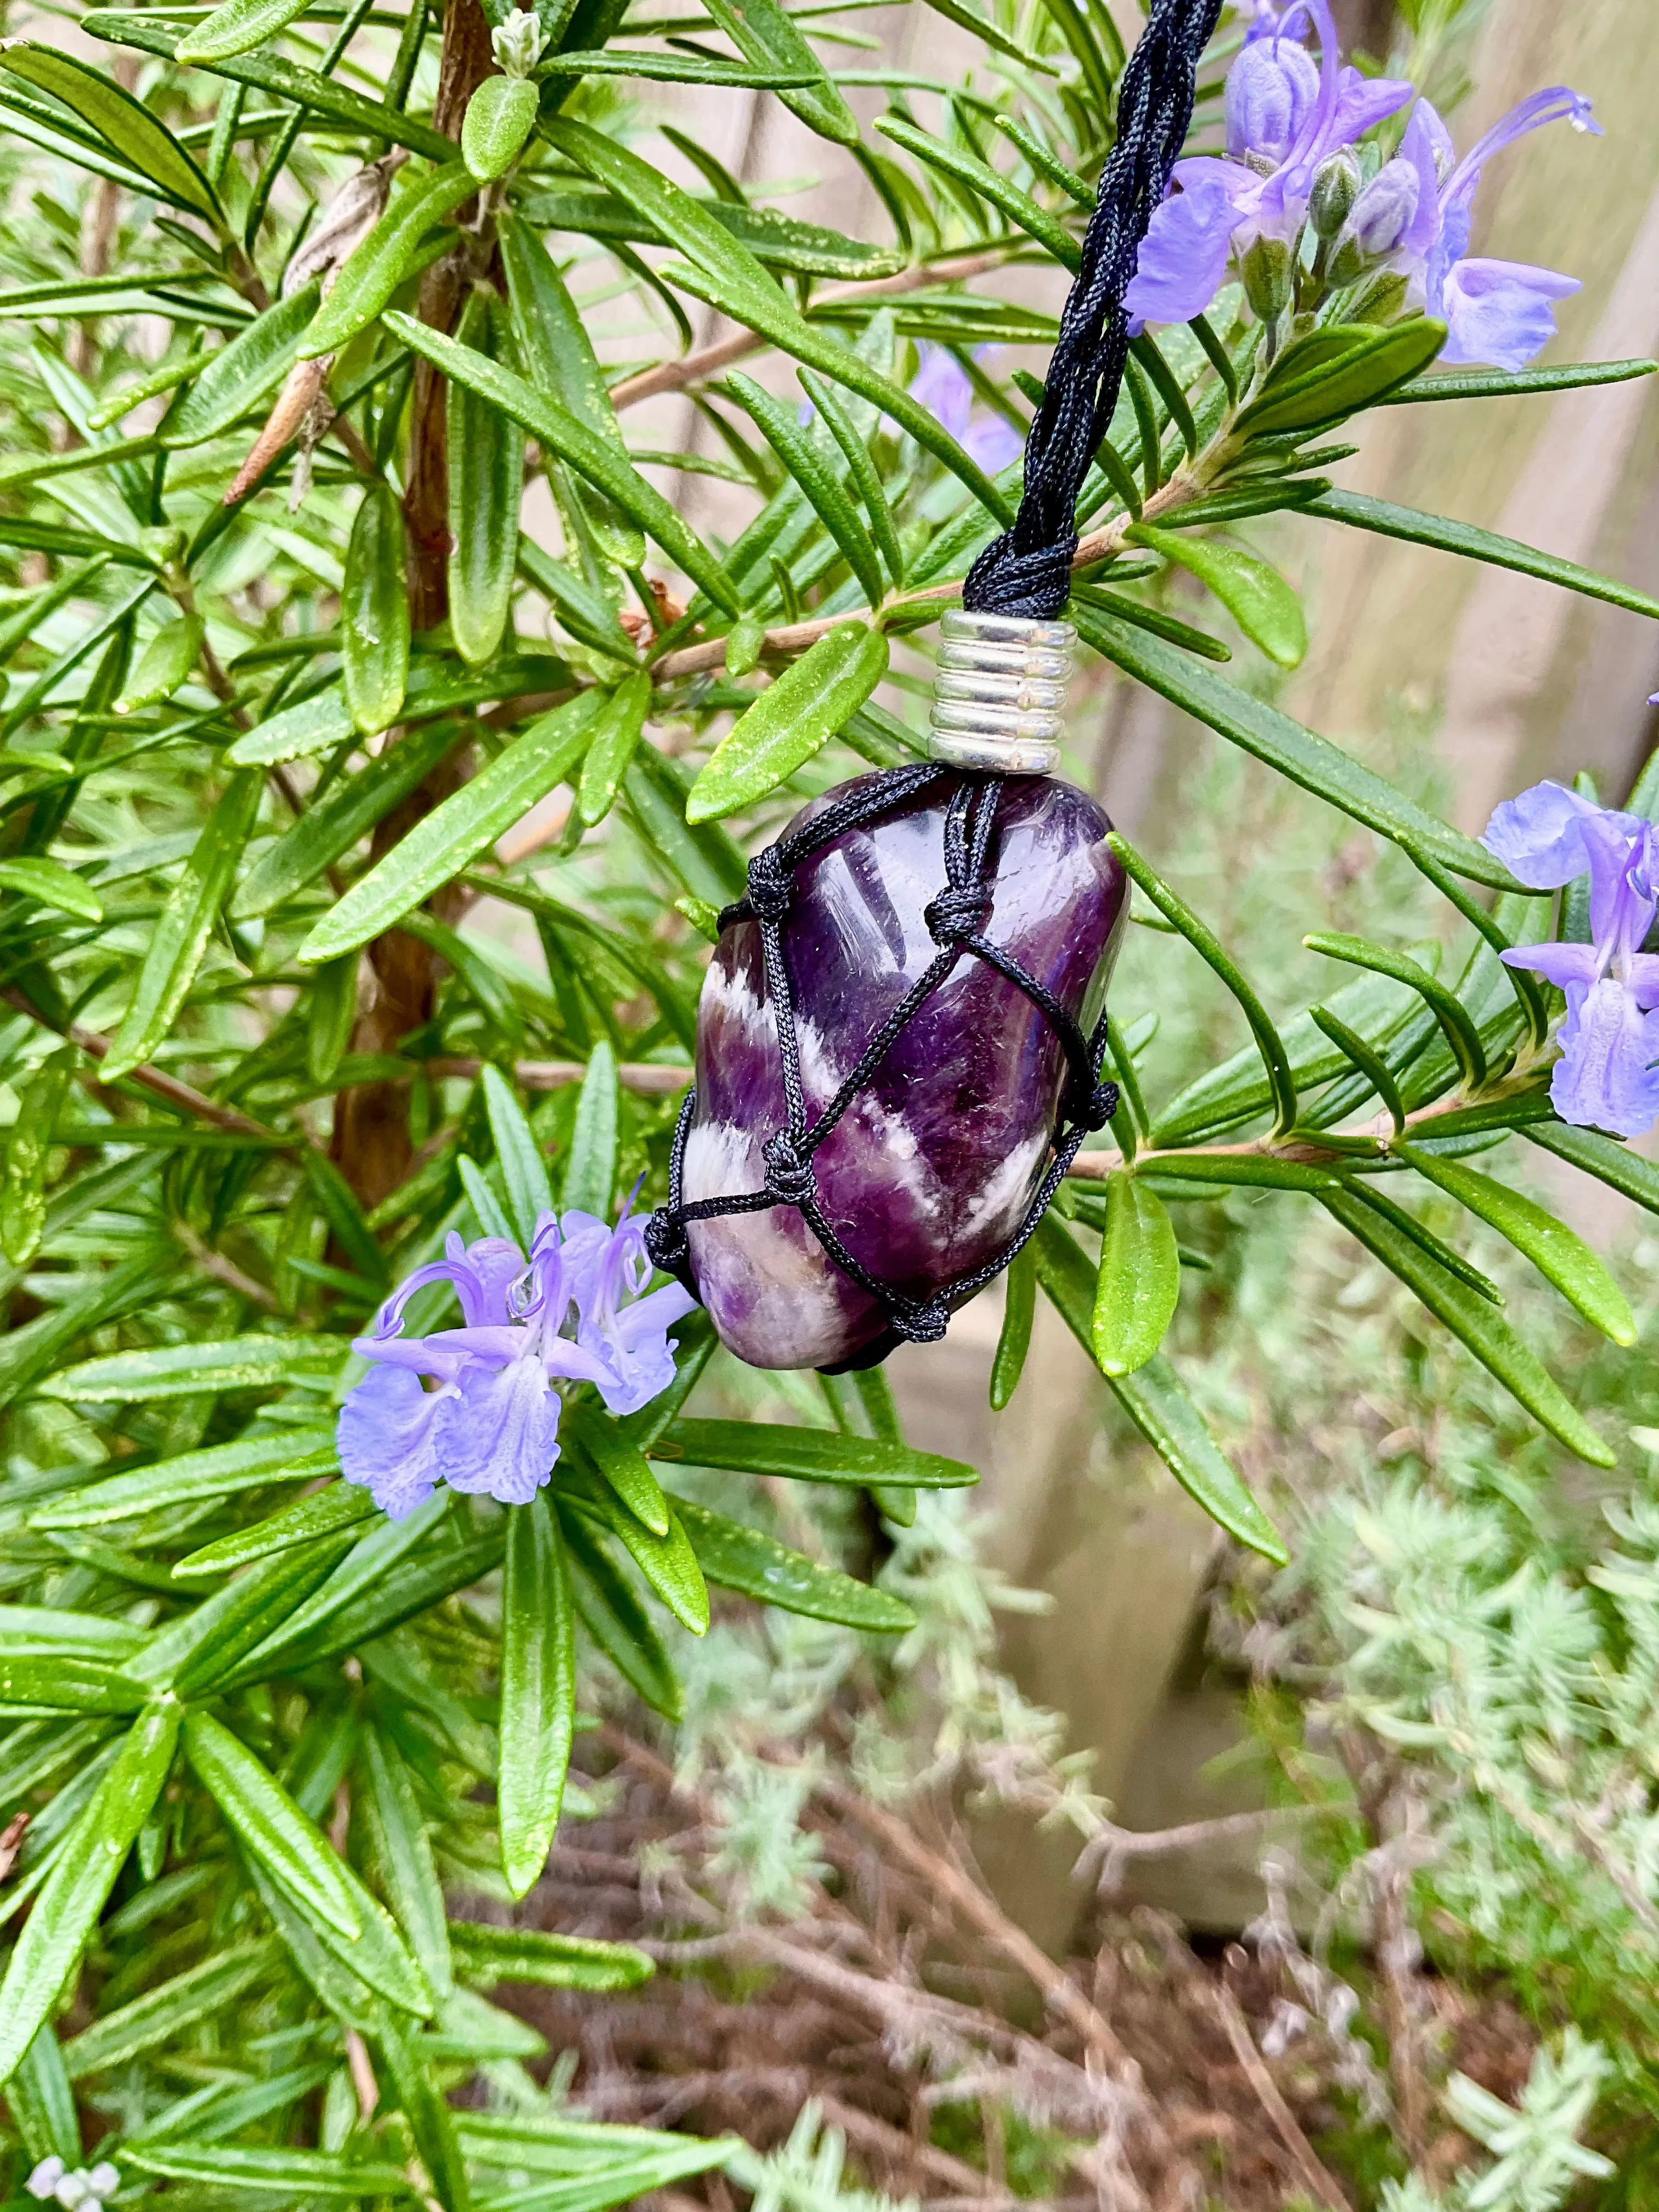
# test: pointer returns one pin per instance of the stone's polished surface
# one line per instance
(931, 1169)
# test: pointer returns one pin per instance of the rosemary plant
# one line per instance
(298, 296)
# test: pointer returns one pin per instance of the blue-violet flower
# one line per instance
(1496, 312)
(578, 1310)
(1284, 117)
(1605, 1078)
(942, 386)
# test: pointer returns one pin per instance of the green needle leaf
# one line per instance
(340, 1505)
(1298, 754)
(1005, 196)
(730, 277)
(590, 1171)
(1336, 371)
(538, 1691)
(237, 27)
(807, 1454)
(590, 455)
(378, 265)
(623, 1465)
(1254, 594)
(1205, 942)
(374, 614)
(486, 491)
(269, 1823)
(331, 825)
(769, 38)
(1378, 514)
(67, 1908)
(1604, 1157)
(123, 122)
(811, 472)
(741, 1559)
(523, 1172)
(52, 884)
(1502, 383)
(179, 937)
(457, 830)
(1156, 1401)
(1018, 1313)
(1580, 1274)
(790, 720)
(1475, 1320)
(1139, 1285)
(1454, 1017)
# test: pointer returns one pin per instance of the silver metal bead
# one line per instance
(999, 694)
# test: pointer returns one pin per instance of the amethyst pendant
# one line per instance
(929, 1168)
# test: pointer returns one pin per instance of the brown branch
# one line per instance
(644, 1077)
(791, 638)
(362, 2075)
(946, 1880)
(223, 1270)
(371, 1141)
(1306, 1151)
(163, 1086)
(1111, 1846)
(1315, 2176)
(692, 368)
(660, 2101)
(11, 1842)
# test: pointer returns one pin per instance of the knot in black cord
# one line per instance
(666, 1243)
(958, 913)
(921, 1324)
(771, 886)
(1035, 582)
(1092, 1108)
(789, 1177)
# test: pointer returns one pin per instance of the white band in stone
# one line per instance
(1000, 692)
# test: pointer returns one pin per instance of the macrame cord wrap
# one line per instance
(1000, 692)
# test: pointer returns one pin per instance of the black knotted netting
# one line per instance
(956, 919)
(1025, 572)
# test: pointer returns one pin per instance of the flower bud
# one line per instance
(1335, 189)
(1270, 88)
(517, 44)
(164, 543)
(1266, 269)
(1382, 213)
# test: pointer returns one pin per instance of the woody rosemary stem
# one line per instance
(371, 1142)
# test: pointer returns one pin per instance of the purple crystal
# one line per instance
(931, 1169)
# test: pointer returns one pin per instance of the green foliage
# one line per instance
(284, 674)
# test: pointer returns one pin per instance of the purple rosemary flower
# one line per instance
(1605, 1078)
(1496, 312)
(621, 1323)
(1285, 117)
(492, 1422)
(942, 386)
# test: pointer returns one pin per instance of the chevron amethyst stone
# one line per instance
(932, 1167)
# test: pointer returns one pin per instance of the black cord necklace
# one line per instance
(909, 1158)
